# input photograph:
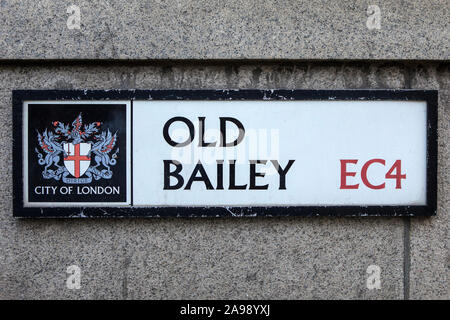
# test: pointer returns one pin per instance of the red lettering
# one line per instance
(364, 173)
(397, 166)
(345, 174)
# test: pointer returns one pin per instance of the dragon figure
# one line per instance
(102, 148)
(52, 148)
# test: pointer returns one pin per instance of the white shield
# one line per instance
(77, 161)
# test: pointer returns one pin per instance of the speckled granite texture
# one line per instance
(225, 29)
(272, 258)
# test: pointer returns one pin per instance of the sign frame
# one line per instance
(21, 96)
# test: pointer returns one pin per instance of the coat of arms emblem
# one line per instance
(77, 147)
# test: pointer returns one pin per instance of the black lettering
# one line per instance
(223, 126)
(201, 141)
(233, 185)
(282, 172)
(203, 177)
(219, 175)
(169, 139)
(254, 174)
(175, 174)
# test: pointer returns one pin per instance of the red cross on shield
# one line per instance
(77, 161)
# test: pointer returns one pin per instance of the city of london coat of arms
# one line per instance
(79, 154)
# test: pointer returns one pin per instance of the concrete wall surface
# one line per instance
(225, 29)
(228, 258)
(225, 44)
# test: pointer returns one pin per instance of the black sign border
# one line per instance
(430, 96)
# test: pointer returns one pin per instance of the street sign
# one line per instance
(157, 153)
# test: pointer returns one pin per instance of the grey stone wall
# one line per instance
(268, 258)
(225, 29)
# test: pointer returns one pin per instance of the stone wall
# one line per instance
(225, 29)
(227, 258)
